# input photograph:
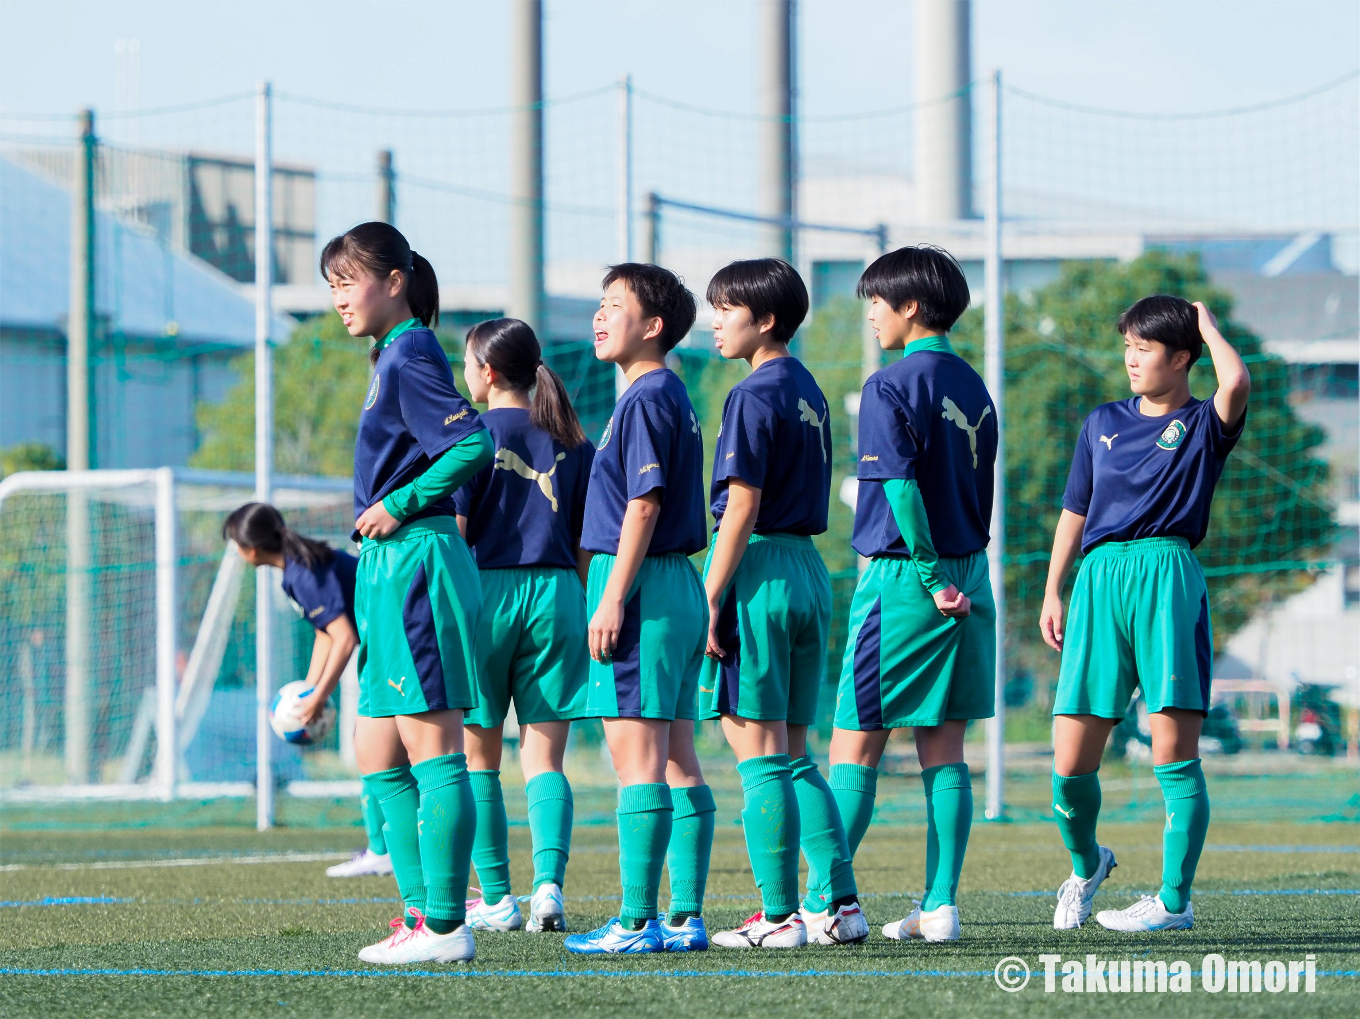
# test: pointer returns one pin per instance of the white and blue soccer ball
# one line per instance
(284, 720)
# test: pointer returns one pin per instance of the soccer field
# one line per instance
(212, 919)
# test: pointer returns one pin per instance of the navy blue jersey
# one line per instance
(413, 413)
(526, 507)
(1135, 476)
(927, 418)
(776, 436)
(322, 593)
(652, 441)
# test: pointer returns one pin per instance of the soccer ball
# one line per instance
(283, 715)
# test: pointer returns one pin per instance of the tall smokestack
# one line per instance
(944, 139)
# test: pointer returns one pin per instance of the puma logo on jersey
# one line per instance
(809, 416)
(398, 686)
(647, 467)
(952, 413)
(1065, 813)
(454, 417)
(693, 423)
(509, 460)
(316, 612)
(1109, 440)
(866, 458)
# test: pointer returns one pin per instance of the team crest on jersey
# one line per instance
(1172, 435)
(372, 397)
(608, 430)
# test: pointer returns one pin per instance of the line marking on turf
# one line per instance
(73, 900)
(1282, 849)
(465, 974)
(183, 861)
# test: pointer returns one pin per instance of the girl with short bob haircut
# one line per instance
(523, 516)
(417, 595)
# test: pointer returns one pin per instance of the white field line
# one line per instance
(194, 861)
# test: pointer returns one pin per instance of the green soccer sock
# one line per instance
(645, 815)
(821, 836)
(491, 846)
(1076, 802)
(399, 800)
(689, 848)
(949, 816)
(550, 815)
(1187, 822)
(448, 818)
(854, 787)
(372, 813)
(770, 821)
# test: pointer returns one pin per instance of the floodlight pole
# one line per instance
(623, 198)
(79, 457)
(264, 455)
(777, 129)
(994, 369)
(526, 164)
(386, 205)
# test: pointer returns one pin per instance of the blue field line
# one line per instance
(71, 900)
(466, 974)
(1198, 892)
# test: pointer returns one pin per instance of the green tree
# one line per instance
(320, 377)
(1063, 357)
(30, 456)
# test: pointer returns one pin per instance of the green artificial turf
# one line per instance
(275, 914)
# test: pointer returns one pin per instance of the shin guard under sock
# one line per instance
(949, 818)
(1076, 807)
(491, 845)
(550, 816)
(1187, 823)
(448, 819)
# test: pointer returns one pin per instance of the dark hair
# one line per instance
(763, 286)
(260, 525)
(510, 347)
(923, 273)
(380, 248)
(662, 295)
(1170, 321)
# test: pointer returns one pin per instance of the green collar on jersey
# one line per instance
(939, 344)
(397, 330)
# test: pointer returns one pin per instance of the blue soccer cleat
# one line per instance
(690, 936)
(612, 939)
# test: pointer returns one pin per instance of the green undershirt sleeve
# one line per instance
(904, 497)
(446, 475)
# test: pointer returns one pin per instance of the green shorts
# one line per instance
(655, 669)
(531, 645)
(905, 663)
(773, 623)
(1139, 617)
(416, 599)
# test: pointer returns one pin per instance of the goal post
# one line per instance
(159, 669)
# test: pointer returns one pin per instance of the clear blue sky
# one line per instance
(1151, 55)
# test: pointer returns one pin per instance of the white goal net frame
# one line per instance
(125, 706)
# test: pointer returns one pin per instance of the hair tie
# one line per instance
(414, 256)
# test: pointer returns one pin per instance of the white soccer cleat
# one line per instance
(1075, 895)
(546, 909)
(382, 951)
(494, 916)
(846, 926)
(1147, 914)
(757, 932)
(939, 924)
(363, 864)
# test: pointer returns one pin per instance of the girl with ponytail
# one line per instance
(522, 516)
(417, 595)
(320, 582)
